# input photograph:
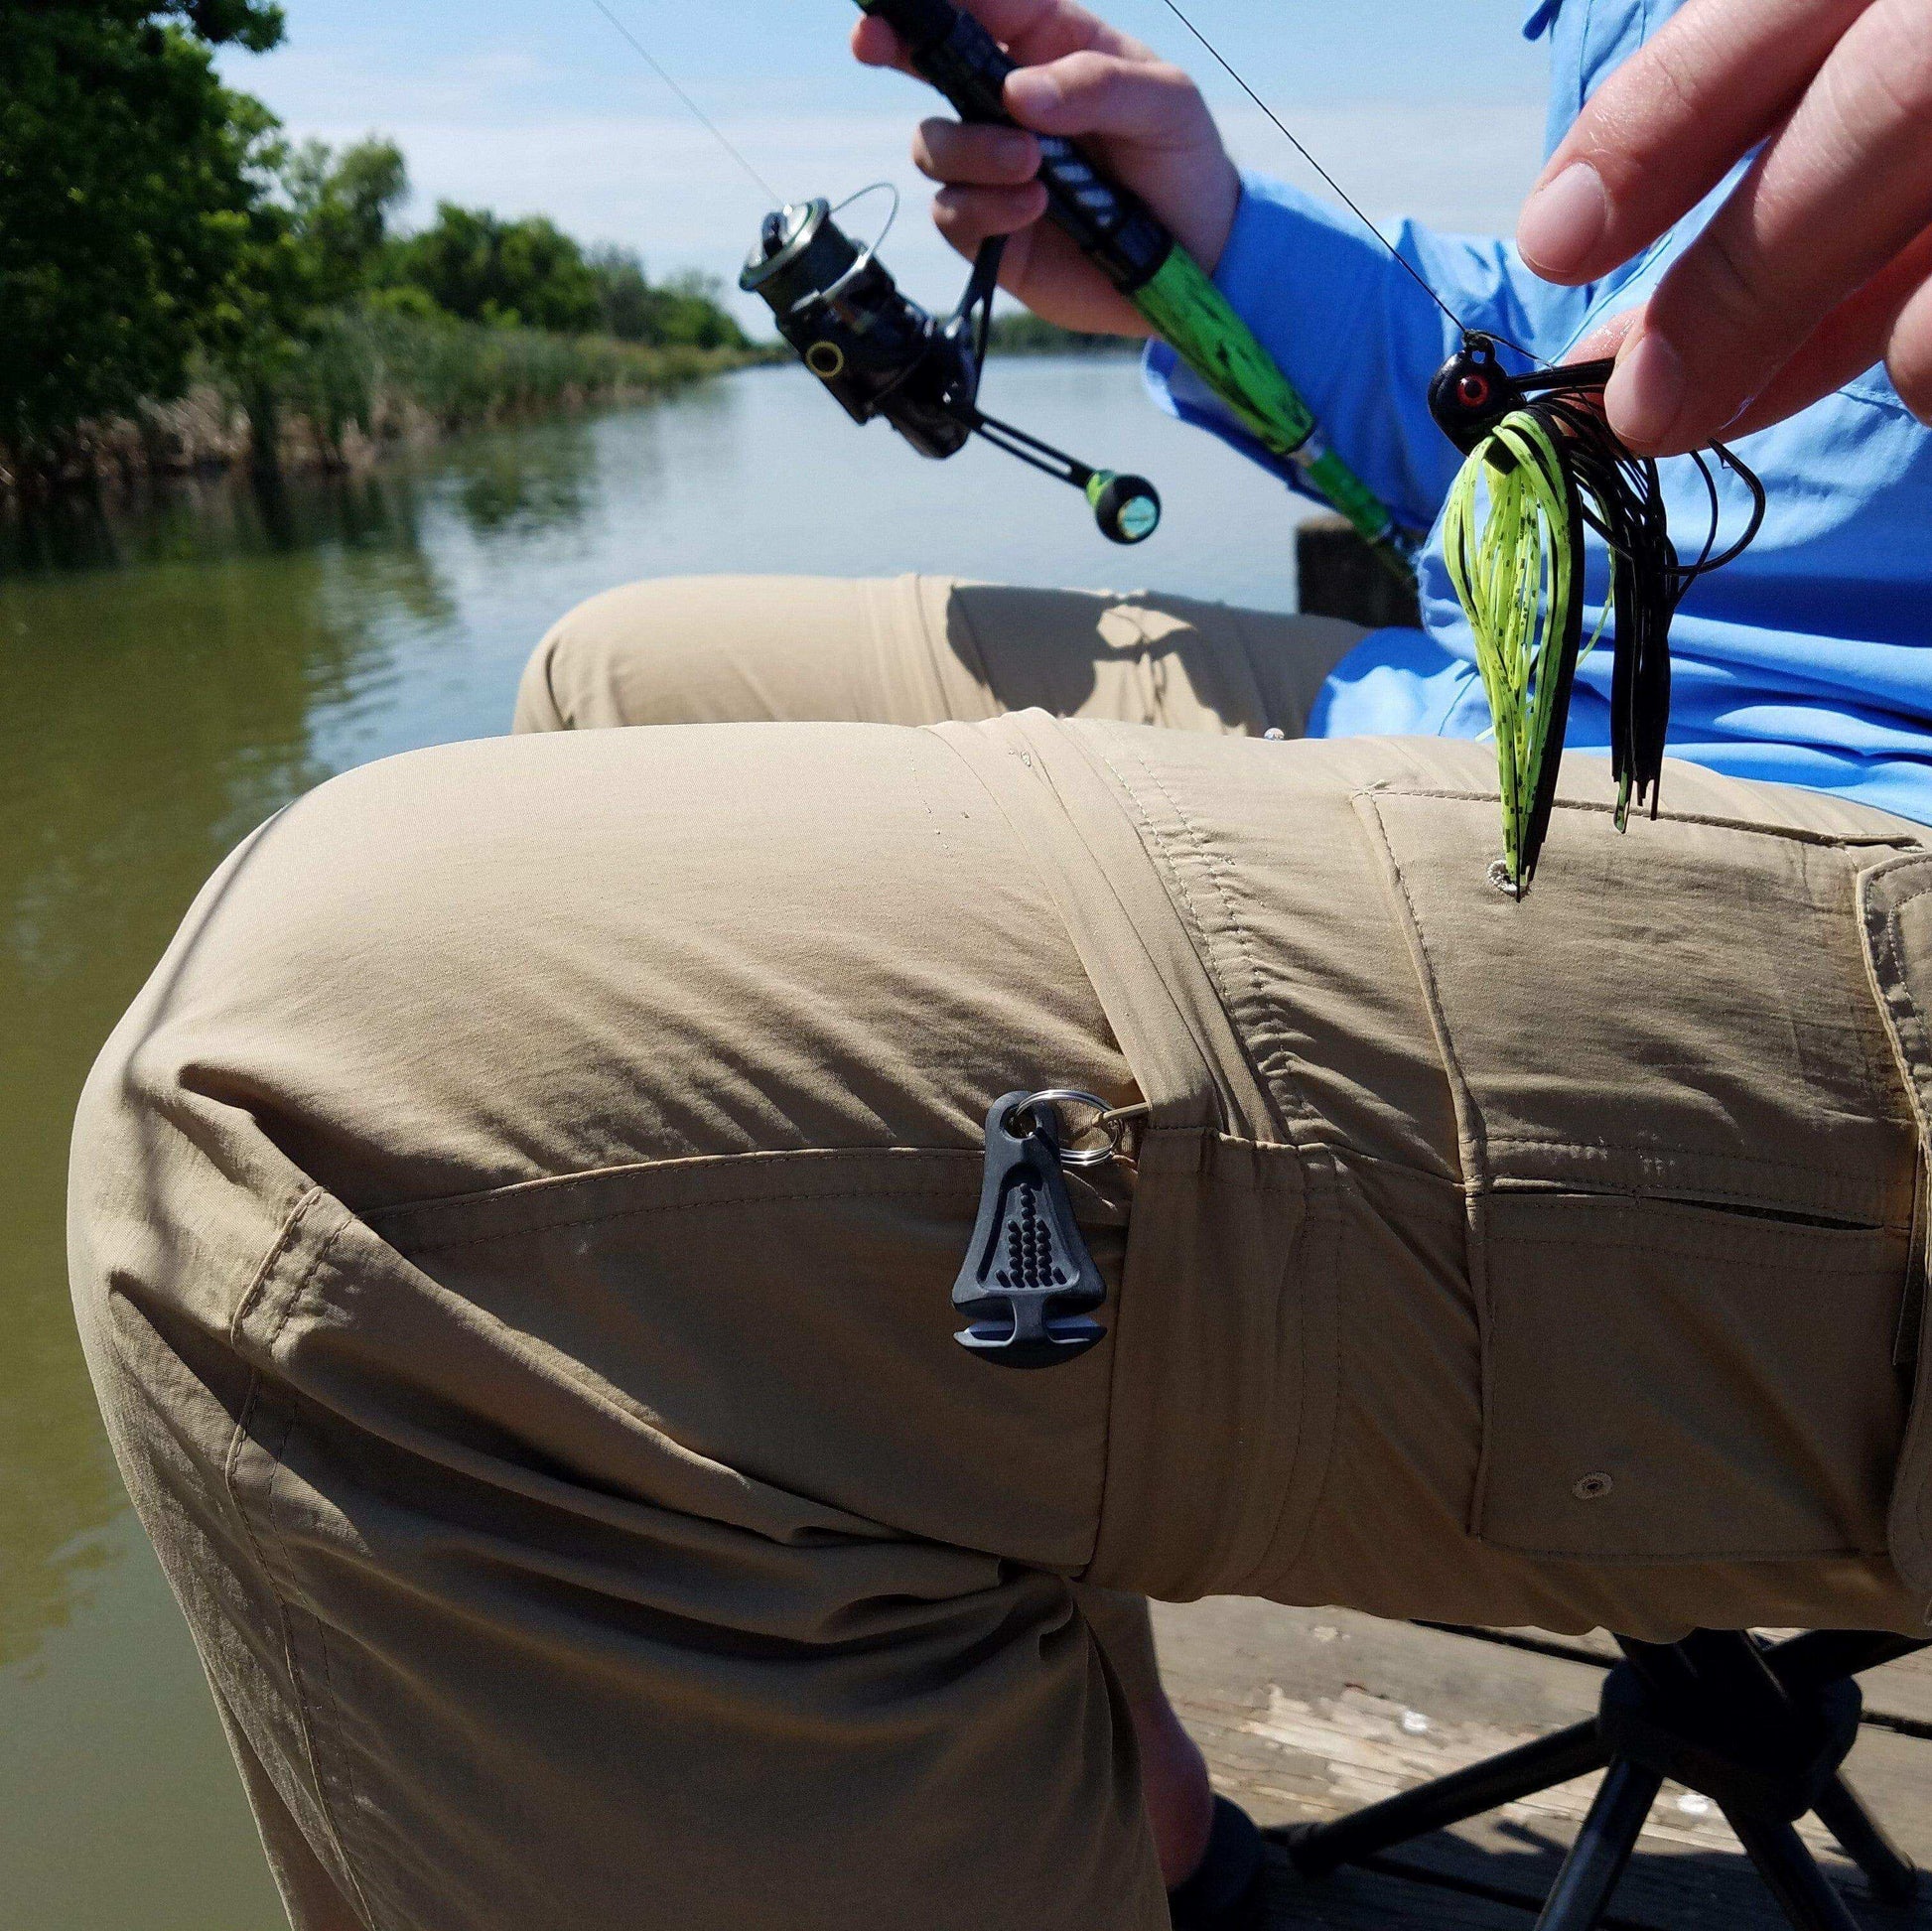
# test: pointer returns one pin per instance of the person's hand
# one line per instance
(1817, 266)
(1143, 119)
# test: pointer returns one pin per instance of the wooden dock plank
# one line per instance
(1308, 1714)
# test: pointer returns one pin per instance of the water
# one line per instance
(175, 670)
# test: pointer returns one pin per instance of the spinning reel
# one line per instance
(881, 354)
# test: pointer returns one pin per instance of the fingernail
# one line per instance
(1646, 396)
(1032, 90)
(1564, 220)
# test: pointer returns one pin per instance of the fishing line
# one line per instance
(1354, 207)
(704, 120)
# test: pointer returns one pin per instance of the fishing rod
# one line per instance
(1117, 232)
(1542, 464)
(881, 355)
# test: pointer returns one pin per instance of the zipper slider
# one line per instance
(1029, 1283)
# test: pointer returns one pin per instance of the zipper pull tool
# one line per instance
(1029, 1283)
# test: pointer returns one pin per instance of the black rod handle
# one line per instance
(1110, 224)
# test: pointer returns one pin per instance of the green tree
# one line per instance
(131, 187)
(684, 313)
(339, 206)
(476, 265)
(690, 315)
(316, 233)
(623, 292)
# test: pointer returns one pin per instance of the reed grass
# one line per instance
(379, 375)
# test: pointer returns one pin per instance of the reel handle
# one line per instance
(1127, 507)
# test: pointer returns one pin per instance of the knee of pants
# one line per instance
(614, 1514)
(714, 650)
(678, 994)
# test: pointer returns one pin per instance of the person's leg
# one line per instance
(1175, 1786)
(513, 1236)
(923, 650)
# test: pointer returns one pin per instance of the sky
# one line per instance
(1424, 107)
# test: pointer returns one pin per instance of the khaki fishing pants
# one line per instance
(513, 1236)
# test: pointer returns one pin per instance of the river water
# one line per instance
(178, 667)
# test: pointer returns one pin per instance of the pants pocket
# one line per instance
(1673, 1382)
(1896, 919)
(1691, 1164)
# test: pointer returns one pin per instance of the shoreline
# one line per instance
(212, 433)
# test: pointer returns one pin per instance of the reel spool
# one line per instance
(881, 354)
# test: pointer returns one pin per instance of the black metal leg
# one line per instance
(1601, 1852)
(1823, 1655)
(1325, 1848)
(1806, 1895)
(1892, 1876)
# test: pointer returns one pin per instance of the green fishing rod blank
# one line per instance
(1117, 232)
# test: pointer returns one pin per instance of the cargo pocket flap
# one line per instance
(1895, 914)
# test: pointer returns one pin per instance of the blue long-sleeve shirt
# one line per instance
(1808, 661)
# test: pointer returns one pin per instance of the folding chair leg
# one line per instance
(1601, 1853)
(1892, 1876)
(1321, 1849)
(1808, 1896)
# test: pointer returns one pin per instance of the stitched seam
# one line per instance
(1680, 1155)
(679, 1206)
(636, 1169)
(1899, 995)
(1715, 1252)
(1838, 1553)
(1906, 1014)
(312, 1716)
(1461, 1087)
(278, 1247)
(1280, 1056)
(1323, 1214)
(1902, 841)
(280, 1586)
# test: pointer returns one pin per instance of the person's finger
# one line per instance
(1855, 337)
(1909, 356)
(968, 216)
(1842, 187)
(1670, 124)
(1037, 31)
(1606, 341)
(876, 45)
(981, 157)
(1042, 267)
(1101, 94)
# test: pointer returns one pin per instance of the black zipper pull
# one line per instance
(1029, 1283)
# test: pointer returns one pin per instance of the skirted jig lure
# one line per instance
(1544, 467)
